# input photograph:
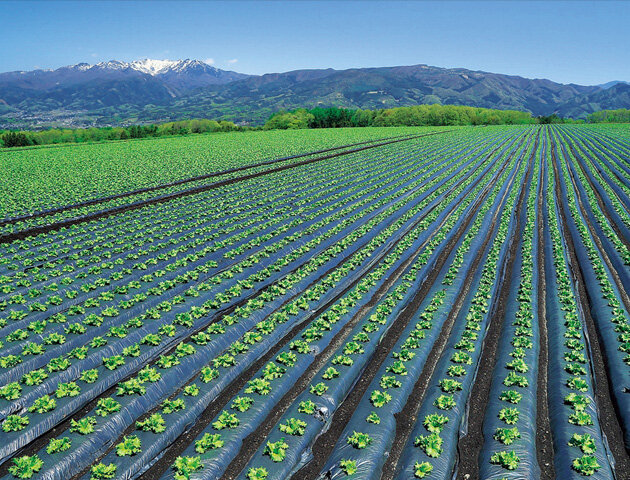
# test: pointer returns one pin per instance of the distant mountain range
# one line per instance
(612, 84)
(115, 93)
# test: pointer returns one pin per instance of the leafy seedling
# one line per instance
(359, 440)
(276, 450)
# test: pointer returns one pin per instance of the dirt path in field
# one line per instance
(7, 238)
(607, 414)
(326, 442)
(469, 445)
(544, 439)
(251, 443)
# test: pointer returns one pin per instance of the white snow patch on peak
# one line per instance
(153, 67)
(148, 65)
(110, 65)
(156, 67)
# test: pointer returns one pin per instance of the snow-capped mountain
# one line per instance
(173, 76)
(149, 66)
(178, 74)
(158, 67)
(106, 85)
(154, 67)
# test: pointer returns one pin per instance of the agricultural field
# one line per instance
(42, 179)
(377, 303)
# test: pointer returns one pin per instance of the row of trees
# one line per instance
(610, 116)
(552, 119)
(82, 135)
(334, 117)
(418, 115)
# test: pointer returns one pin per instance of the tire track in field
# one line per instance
(284, 195)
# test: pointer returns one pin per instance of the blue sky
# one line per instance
(580, 42)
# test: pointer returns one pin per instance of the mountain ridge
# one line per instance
(148, 90)
(612, 83)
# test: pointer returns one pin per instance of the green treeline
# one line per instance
(419, 115)
(609, 116)
(334, 117)
(82, 135)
